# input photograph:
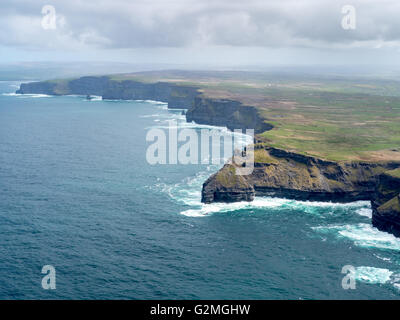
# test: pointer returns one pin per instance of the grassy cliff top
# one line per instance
(331, 117)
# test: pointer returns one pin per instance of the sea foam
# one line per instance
(26, 95)
(373, 275)
(363, 235)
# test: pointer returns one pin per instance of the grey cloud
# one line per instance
(181, 23)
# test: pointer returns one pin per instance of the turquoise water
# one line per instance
(77, 193)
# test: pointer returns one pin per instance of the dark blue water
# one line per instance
(77, 193)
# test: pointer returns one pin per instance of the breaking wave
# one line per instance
(365, 212)
(317, 208)
(26, 95)
(363, 235)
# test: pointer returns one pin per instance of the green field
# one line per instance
(336, 126)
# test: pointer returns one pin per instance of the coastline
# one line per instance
(277, 172)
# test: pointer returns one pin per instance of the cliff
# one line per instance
(276, 172)
(284, 174)
(177, 96)
(202, 110)
(385, 203)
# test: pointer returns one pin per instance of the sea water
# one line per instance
(77, 193)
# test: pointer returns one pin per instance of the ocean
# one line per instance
(77, 193)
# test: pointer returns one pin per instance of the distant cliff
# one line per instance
(227, 113)
(386, 202)
(285, 174)
(175, 95)
(201, 109)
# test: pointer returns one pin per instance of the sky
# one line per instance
(202, 32)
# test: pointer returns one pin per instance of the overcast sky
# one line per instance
(198, 32)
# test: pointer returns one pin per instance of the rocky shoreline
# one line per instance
(277, 172)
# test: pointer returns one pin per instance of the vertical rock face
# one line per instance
(181, 97)
(227, 186)
(37, 87)
(387, 216)
(226, 113)
(285, 174)
(202, 110)
(385, 205)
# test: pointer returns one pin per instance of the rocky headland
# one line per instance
(277, 172)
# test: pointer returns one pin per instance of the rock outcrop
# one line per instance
(227, 186)
(177, 96)
(385, 204)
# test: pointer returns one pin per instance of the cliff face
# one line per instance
(37, 87)
(226, 186)
(229, 113)
(386, 205)
(180, 97)
(86, 86)
(175, 95)
(202, 110)
(285, 174)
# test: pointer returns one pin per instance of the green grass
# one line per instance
(262, 156)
